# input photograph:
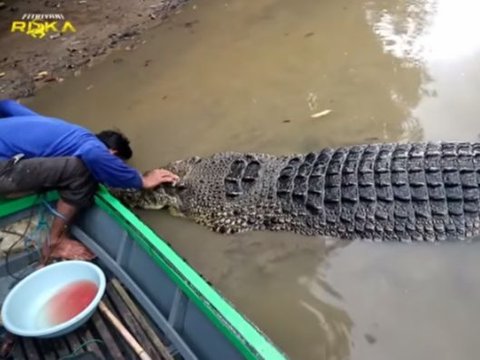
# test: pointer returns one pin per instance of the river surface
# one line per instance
(248, 76)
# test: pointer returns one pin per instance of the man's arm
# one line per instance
(9, 108)
(109, 169)
(114, 172)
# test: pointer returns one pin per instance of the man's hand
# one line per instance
(156, 177)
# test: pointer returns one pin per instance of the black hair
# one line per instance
(115, 140)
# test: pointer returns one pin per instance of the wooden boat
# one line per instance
(166, 304)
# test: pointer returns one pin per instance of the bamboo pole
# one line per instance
(143, 322)
(124, 332)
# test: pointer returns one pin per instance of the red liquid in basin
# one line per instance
(69, 301)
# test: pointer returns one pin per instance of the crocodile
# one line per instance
(405, 192)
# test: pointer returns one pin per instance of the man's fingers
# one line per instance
(168, 178)
(164, 176)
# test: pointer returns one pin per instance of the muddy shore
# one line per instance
(28, 63)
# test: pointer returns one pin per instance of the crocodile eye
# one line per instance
(180, 185)
(196, 159)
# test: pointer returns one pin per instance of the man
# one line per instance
(40, 153)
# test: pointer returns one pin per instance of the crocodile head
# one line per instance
(171, 196)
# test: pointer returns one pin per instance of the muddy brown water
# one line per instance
(247, 76)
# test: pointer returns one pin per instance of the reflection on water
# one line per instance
(248, 76)
(402, 27)
(441, 38)
(424, 31)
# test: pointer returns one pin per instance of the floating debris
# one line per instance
(2, 74)
(321, 114)
(370, 339)
(89, 87)
(312, 101)
(82, 2)
(190, 24)
(54, 36)
(2, 5)
(40, 75)
(50, 79)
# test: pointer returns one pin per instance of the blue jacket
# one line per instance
(24, 131)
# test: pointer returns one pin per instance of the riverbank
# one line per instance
(91, 30)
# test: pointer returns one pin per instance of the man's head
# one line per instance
(117, 143)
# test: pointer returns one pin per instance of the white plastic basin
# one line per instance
(28, 309)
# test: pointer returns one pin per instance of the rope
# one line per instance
(36, 233)
(21, 237)
(80, 348)
(34, 237)
(52, 210)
